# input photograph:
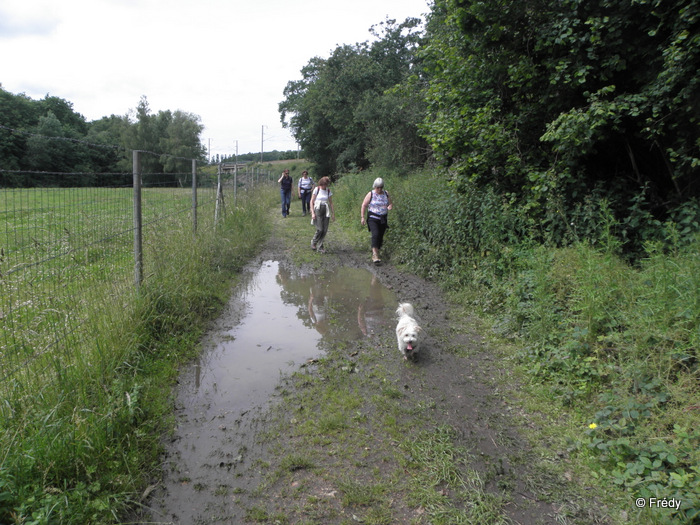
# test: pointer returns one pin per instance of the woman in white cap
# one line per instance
(379, 203)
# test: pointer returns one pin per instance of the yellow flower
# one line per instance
(592, 426)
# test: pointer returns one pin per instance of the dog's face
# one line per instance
(409, 338)
(407, 335)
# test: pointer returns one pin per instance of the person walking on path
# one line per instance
(285, 182)
(304, 188)
(321, 212)
(379, 203)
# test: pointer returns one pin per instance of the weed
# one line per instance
(360, 493)
(292, 463)
(257, 514)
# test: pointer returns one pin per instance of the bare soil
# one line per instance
(460, 381)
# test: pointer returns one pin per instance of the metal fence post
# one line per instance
(138, 223)
(194, 196)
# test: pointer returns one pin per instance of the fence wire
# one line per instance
(66, 251)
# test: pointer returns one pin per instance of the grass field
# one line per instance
(65, 251)
(86, 357)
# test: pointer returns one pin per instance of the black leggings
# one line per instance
(377, 227)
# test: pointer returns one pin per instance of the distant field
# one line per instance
(64, 252)
(46, 222)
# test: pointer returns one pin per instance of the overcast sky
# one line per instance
(227, 61)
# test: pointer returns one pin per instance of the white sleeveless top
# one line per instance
(322, 198)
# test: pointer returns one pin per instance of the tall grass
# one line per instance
(615, 343)
(619, 343)
(83, 448)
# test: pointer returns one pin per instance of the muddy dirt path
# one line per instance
(239, 422)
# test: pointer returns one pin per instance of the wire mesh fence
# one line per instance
(65, 251)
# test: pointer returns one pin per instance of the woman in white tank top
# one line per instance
(321, 212)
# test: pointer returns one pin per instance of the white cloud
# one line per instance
(25, 18)
(227, 61)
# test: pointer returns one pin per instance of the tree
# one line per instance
(168, 139)
(57, 151)
(17, 112)
(48, 136)
(106, 152)
(64, 112)
(545, 102)
(142, 135)
(392, 118)
(335, 111)
(635, 67)
(180, 139)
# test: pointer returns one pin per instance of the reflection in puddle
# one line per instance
(285, 317)
(274, 323)
(342, 305)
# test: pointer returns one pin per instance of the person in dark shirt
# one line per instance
(285, 182)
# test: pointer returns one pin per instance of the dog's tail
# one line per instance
(404, 309)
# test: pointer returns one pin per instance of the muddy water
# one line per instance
(274, 323)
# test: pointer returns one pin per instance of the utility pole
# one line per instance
(262, 139)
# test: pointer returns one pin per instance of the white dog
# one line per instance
(407, 331)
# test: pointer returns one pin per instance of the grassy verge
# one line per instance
(83, 449)
(608, 350)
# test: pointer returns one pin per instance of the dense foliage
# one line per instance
(551, 103)
(50, 139)
(568, 206)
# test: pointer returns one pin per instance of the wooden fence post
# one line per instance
(219, 210)
(235, 186)
(194, 196)
(138, 223)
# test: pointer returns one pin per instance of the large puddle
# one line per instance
(282, 320)
(274, 324)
